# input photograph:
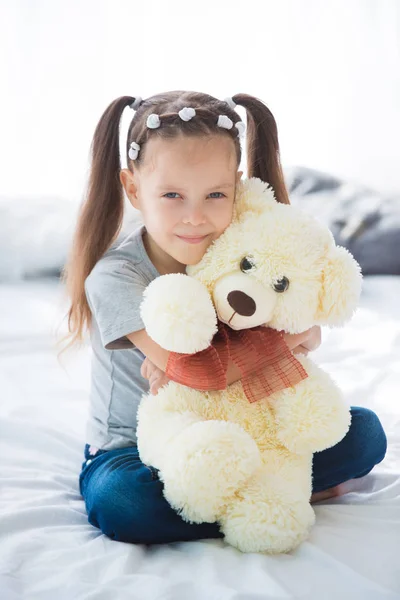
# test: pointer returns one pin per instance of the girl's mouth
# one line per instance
(192, 239)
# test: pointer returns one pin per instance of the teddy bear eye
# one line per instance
(281, 285)
(247, 264)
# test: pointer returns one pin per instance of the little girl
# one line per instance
(183, 154)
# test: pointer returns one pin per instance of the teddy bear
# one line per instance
(222, 458)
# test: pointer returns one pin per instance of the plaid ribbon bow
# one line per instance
(266, 363)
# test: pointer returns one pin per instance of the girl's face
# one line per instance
(185, 190)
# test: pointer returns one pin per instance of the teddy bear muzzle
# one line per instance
(243, 302)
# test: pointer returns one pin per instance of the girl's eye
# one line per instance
(171, 195)
(174, 195)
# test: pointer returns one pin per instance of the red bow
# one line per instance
(261, 354)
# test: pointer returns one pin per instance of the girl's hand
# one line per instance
(157, 378)
(313, 340)
(303, 343)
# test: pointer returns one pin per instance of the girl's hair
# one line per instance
(101, 213)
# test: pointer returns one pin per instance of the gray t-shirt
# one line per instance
(114, 291)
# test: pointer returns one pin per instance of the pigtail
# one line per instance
(100, 217)
(263, 156)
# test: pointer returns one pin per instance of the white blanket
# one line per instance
(48, 551)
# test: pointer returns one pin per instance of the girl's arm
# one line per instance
(158, 356)
(148, 347)
(157, 378)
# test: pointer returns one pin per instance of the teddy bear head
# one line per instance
(274, 266)
(277, 266)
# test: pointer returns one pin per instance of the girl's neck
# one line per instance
(163, 262)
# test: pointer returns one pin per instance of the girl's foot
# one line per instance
(338, 490)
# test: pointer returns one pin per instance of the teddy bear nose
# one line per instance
(242, 303)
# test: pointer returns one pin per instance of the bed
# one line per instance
(49, 551)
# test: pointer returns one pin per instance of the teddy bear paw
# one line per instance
(313, 415)
(268, 516)
(316, 431)
(178, 313)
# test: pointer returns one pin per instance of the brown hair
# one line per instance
(101, 213)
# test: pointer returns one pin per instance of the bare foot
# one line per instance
(324, 495)
(339, 490)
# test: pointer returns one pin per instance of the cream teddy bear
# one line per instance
(222, 458)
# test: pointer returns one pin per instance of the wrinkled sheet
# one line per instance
(49, 551)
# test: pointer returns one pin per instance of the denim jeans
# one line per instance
(124, 498)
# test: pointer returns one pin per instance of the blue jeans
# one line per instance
(124, 498)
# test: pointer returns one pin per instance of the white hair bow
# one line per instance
(241, 127)
(225, 122)
(135, 105)
(187, 113)
(153, 121)
(133, 151)
(230, 103)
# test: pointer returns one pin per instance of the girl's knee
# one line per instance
(134, 510)
(368, 436)
(123, 506)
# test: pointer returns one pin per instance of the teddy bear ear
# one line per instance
(253, 196)
(341, 288)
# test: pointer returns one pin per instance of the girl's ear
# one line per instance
(127, 179)
(239, 176)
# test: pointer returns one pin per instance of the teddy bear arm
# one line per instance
(178, 313)
(312, 416)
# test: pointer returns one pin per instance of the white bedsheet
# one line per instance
(49, 551)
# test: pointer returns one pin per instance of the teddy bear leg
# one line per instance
(313, 415)
(205, 465)
(268, 515)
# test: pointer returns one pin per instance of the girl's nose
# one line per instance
(195, 217)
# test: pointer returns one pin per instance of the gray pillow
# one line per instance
(364, 221)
